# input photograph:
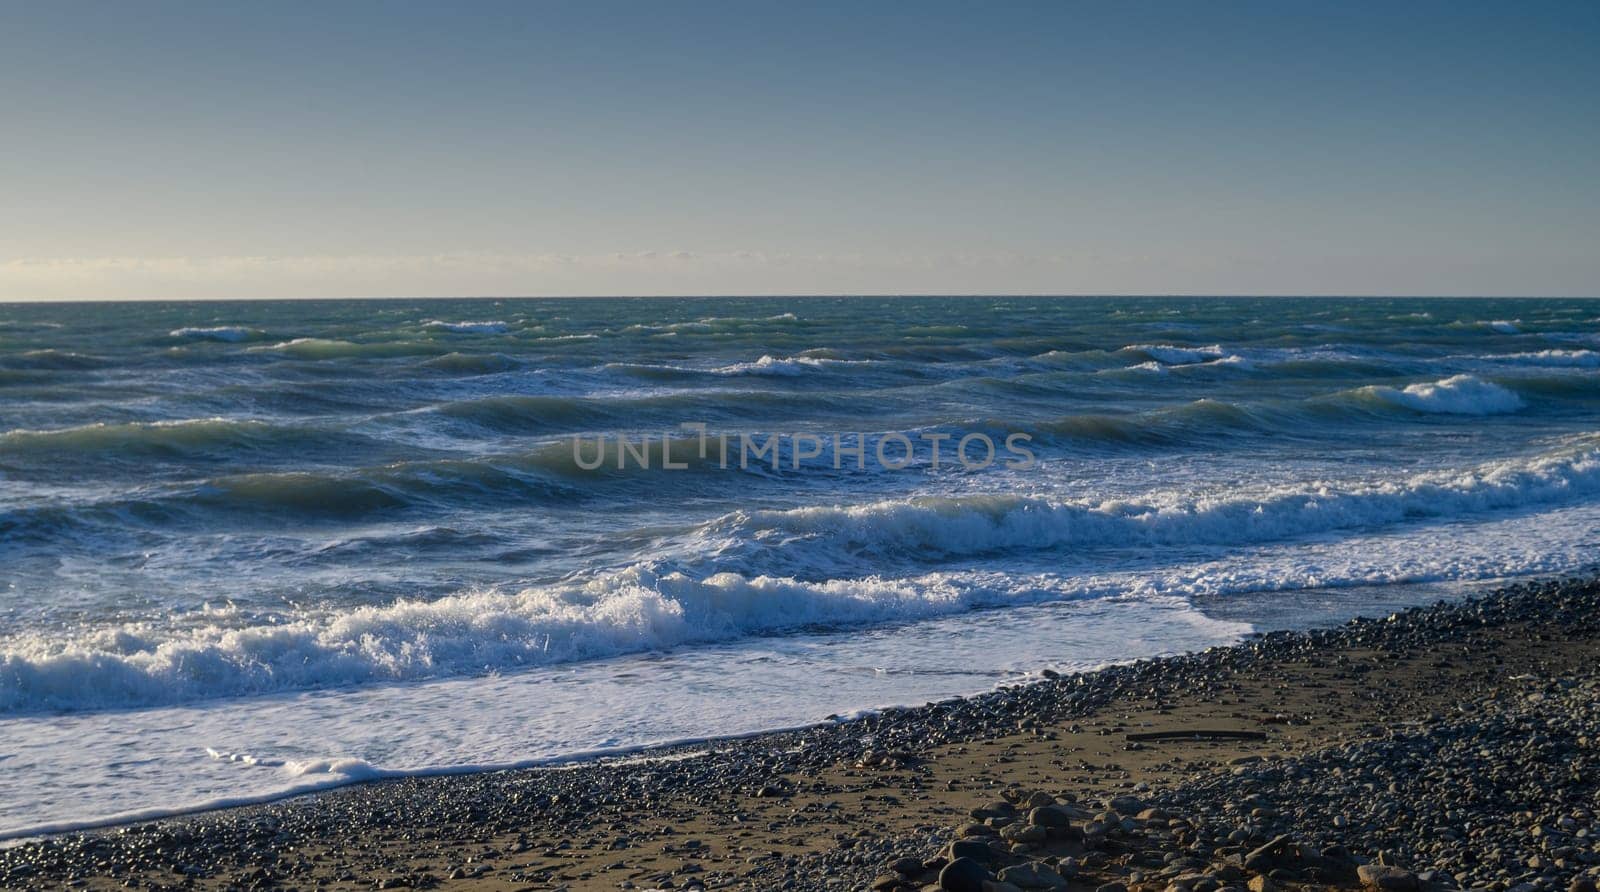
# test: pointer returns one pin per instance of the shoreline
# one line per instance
(815, 806)
(309, 772)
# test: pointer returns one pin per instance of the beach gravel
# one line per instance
(1490, 788)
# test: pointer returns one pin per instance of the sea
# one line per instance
(250, 549)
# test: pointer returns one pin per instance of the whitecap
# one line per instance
(228, 333)
(1587, 359)
(488, 327)
(785, 367)
(1168, 354)
(1458, 395)
(647, 607)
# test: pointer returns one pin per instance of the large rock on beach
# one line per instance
(964, 875)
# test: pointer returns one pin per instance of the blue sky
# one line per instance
(365, 149)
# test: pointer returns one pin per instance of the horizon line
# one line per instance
(812, 296)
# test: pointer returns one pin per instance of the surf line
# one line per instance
(893, 451)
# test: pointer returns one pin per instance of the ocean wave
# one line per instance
(629, 611)
(1328, 363)
(1585, 359)
(334, 348)
(544, 474)
(320, 499)
(766, 366)
(982, 524)
(308, 495)
(1070, 359)
(1152, 367)
(712, 323)
(263, 499)
(531, 413)
(1204, 421)
(1167, 354)
(472, 363)
(487, 327)
(1319, 361)
(547, 413)
(1570, 337)
(231, 334)
(783, 367)
(1226, 363)
(654, 605)
(52, 359)
(1233, 361)
(1457, 395)
(1198, 423)
(18, 326)
(186, 438)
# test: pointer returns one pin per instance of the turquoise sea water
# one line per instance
(237, 540)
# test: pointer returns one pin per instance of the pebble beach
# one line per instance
(1444, 747)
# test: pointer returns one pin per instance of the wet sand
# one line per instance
(875, 802)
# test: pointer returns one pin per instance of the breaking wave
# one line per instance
(1583, 359)
(637, 609)
(489, 327)
(1167, 354)
(333, 348)
(1458, 395)
(784, 367)
(650, 606)
(231, 334)
(983, 524)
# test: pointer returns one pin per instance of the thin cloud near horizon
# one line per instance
(647, 273)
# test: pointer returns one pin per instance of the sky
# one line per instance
(349, 149)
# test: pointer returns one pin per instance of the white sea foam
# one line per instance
(633, 610)
(307, 344)
(646, 608)
(709, 323)
(489, 327)
(1506, 326)
(1194, 360)
(784, 367)
(1458, 395)
(975, 525)
(1232, 360)
(228, 333)
(239, 758)
(333, 773)
(338, 348)
(95, 768)
(768, 365)
(1168, 354)
(1151, 366)
(1586, 359)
